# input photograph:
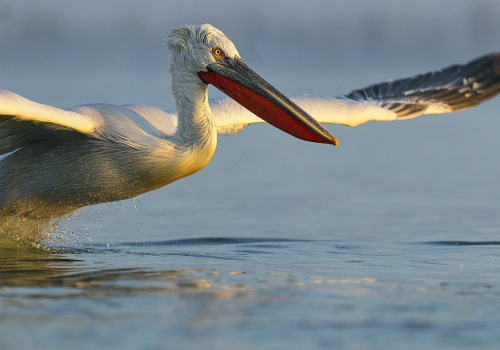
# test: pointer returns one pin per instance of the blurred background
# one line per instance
(391, 175)
(118, 46)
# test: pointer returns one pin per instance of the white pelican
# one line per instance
(55, 161)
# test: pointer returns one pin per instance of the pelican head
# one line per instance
(204, 55)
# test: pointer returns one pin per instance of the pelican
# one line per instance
(55, 161)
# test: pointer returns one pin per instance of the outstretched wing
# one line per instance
(454, 88)
(451, 89)
(23, 121)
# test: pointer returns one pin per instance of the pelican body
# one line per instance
(55, 161)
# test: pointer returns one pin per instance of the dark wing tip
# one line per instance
(457, 86)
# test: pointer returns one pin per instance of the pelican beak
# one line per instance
(235, 79)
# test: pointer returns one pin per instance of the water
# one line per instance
(248, 293)
(389, 241)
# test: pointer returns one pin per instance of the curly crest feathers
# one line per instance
(188, 38)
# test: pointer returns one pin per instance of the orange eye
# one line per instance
(218, 53)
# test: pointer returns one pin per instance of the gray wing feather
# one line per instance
(15, 134)
(454, 88)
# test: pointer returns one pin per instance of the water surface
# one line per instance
(246, 293)
(389, 241)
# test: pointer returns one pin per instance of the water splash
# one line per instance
(76, 228)
(39, 233)
(17, 231)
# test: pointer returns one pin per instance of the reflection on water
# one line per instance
(88, 270)
(25, 266)
(250, 291)
(22, 266)
(129, 282)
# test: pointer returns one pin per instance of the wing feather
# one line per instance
(448, 90)
(451, 89)
(23, 121)
(13, 106)
(454, 88)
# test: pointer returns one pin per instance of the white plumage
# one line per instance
(55, 161)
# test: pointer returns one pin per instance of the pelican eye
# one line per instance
(218, 53)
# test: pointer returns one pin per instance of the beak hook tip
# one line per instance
(335, 141)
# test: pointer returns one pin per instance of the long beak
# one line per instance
(235, 79)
